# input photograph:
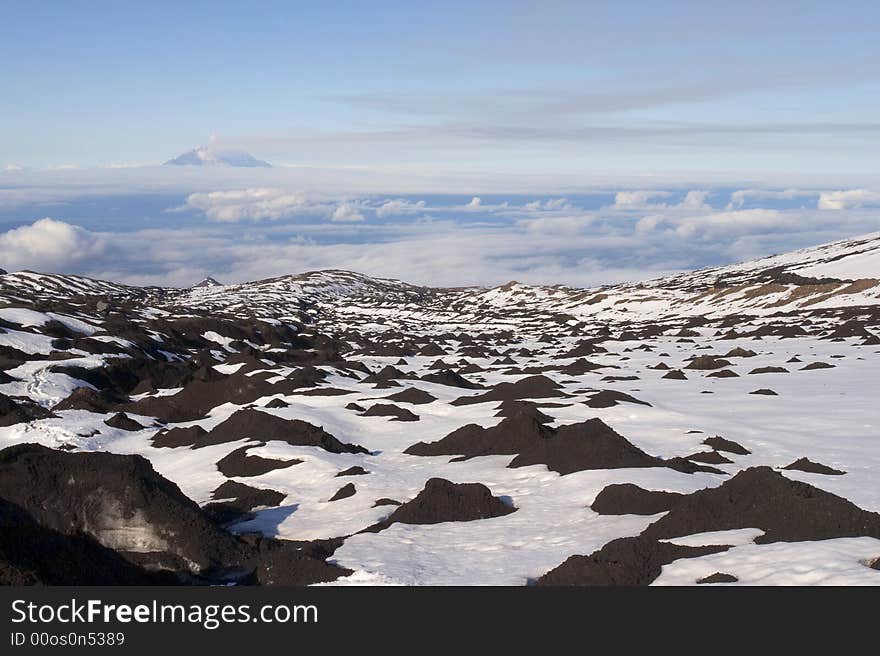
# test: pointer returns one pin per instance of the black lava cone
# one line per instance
(764, 392)
(806, 465)
(532, 387)
(15, 411)
(248, 423)
(629, 499)
(675, 374)
(389, 410)
(386, 375)
(450, 379)
(443, 501)
(761, 498)
(239, 463)
(31, 554)
(723, 373)
(720, 444)
(608, 398)
(707, 362)
(769, 370)
(347, 490)
(739, 352)
(511, 408)
(412, 395)
(625, 561)
(124, 422)
(176, 437)
(718, 577)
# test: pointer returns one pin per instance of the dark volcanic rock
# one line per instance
(118, 500)
(235, 501)
(353, 471)
(86, 398)
(817, 365)
(451, 379)
(532, 387)
(124, 422)
(675, 374)
(412, 395)
(765, 392)
(707, 362)
(806, 465)
(15, 411)
(629, 499)
(239, 463)
(443, 501)
(263, 426)
(347, 490)
(769, 370)
(576, 447)
(528, 408)
(718, 577)
(720, 444)
(761, 498)
(389, 410)
(122, 504)
(385, 501)
(176, 437)
(739, 352)
(724, 373)
(608, 398)
(31, 554)
(277, 403)
(625, 561)
(710, 458)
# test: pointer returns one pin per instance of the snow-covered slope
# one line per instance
(614, 435)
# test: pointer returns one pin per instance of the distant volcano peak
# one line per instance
(211, 155)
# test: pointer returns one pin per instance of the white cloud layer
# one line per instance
(433, 242)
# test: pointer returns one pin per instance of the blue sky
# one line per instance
(637, 88)
(602, 141)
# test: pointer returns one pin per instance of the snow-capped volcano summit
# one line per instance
(210, 155)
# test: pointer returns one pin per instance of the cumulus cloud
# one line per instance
(254, 204)
(476, 201)
(851, 198)
(549, 205)
(739, 197)
(636, 199)
(695, 200)
(347, 212)
(399, 207)
(48, 245)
